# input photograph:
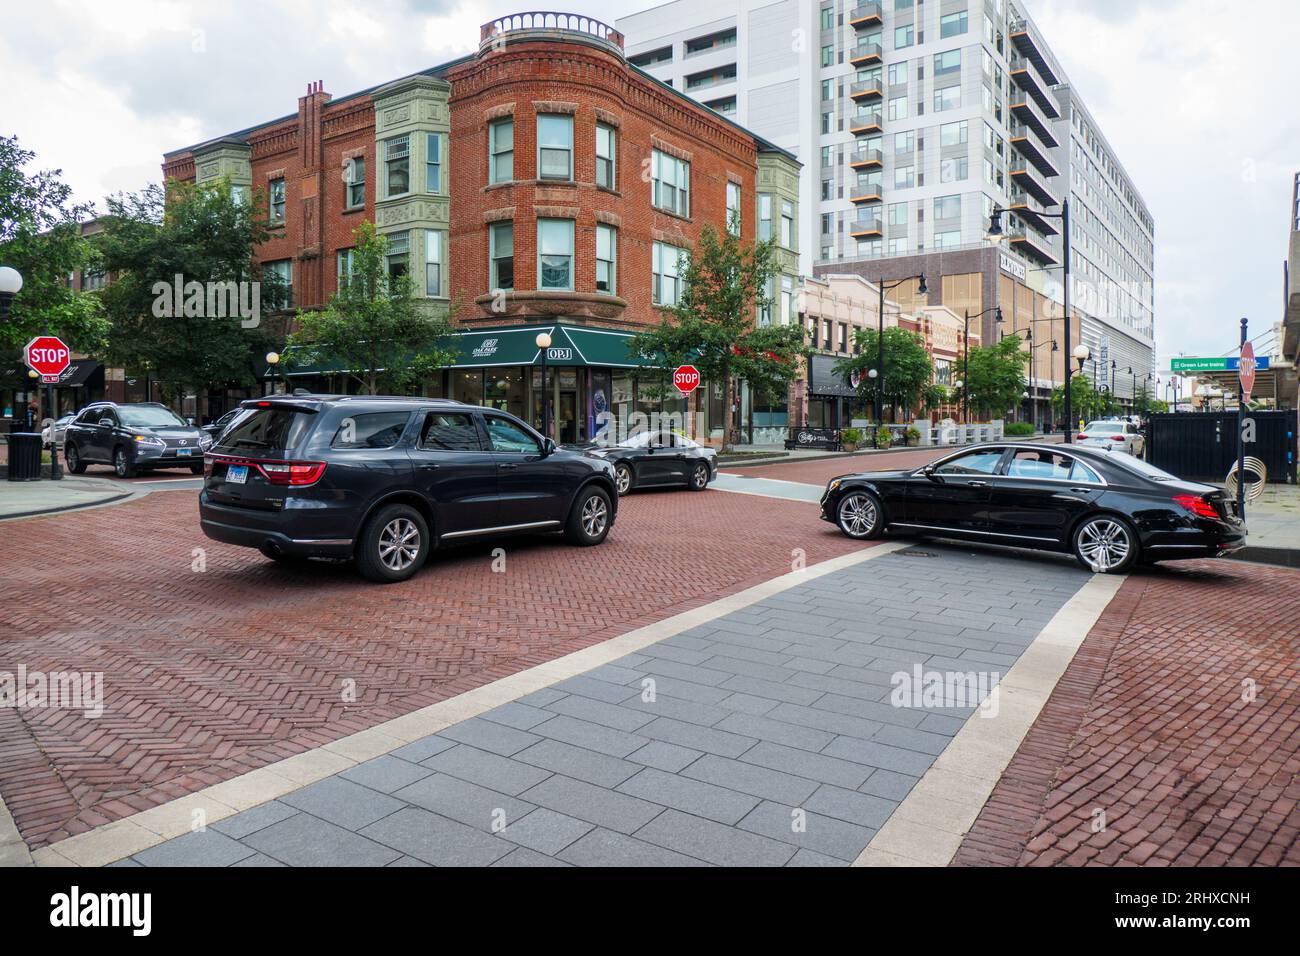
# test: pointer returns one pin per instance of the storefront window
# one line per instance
(467, 386)
(504, 388)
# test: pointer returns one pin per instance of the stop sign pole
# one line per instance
(1246, 383)
(49, 357)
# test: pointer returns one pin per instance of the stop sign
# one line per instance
(686, 378)
(1246, 370)
(47, 356)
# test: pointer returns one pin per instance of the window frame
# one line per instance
(433, 167)
(681, 184)
(391, 163)
(611, 262)
(351, 184)
(496, 155)
(439, 238)
(657, 274)
(543, 221)
(565, 119)
(494, 274)
(272, 203)
(611, 161)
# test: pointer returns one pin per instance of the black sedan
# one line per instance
(652, 459)
(1109, 509)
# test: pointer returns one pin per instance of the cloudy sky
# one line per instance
(1197, 97)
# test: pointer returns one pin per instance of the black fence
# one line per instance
(808, 437)
(1203, 445)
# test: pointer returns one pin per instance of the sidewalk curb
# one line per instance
(779, 459)
(112, 499)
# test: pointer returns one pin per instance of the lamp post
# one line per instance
(11, 283)
(880, 340)
(273, 360)
(543, 341)
(1081, 354)
(960, 385)
(965, 348)
(996, 234)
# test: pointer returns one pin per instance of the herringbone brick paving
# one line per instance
(1178, 720)
(209, 674)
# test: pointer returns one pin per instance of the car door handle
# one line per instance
(506, 467)
(1081, 491)
(977, 484)
(428, 466)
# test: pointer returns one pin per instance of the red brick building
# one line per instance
(541, 184)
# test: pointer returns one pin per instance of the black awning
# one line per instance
(78, 373)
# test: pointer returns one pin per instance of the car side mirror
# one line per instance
(190, 420)
(548, 447)
(106, 423)
(929, 472)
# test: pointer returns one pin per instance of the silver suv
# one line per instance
(133, 438)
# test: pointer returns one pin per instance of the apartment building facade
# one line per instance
(914, 119)
(540, 184)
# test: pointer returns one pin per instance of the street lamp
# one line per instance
(273, 360)
(880, 339)
(965, 348)
(543, 341)
(11, 283)
(995, 234)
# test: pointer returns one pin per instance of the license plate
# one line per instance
(237, 474)
(184, 452)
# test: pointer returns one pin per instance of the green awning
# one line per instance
(517, 345)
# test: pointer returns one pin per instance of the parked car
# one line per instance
(652, 459)
(384, 480)
(1109, 510)
(1116, 434)
(52, 435)
(214, 429)
(133, 438)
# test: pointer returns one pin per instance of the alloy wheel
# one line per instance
(594, 516)
(623, 479)
(857, 515)
(70, 457)
(701, 476)
(1104, 544)
(119, 463)
(399, 544)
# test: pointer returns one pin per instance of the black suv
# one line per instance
(382, 480)
(133, 438)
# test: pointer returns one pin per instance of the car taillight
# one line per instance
(292, 473)
(1116, 437)
(207, 465)
(1196, 505)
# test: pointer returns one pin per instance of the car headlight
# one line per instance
(835, 483)
(205, 441)
(150, 440)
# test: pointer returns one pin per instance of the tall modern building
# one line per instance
(914, 120)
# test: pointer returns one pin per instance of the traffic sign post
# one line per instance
(1246, 378)
(47, 356)
(686, 378)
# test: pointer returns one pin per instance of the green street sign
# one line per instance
(1198, 365)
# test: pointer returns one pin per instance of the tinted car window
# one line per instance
(972, 463)
(1040, 464)
(145, 416)
(268, 430)
(507, 436)
(1081, 472)
(372, 430)
(449, 432)
(91, 416)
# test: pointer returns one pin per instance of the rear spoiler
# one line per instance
(289, 404)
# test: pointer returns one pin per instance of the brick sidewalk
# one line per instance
(1151, 726)
(209, 675)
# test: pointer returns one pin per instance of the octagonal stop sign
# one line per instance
(1246, 371)
(686, 378)
(48, 357)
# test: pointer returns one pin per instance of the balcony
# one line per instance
(1030, 115)
(869, 228)
(866, 16)
(867, 54)
(1027, 178)
(867, 124)
(1022, 37)
(1030, 211)
(549, 25)
(867, 159)
(866, 92)
(1035, 247)
(864, 193)
(1029, 148)
(1027, 81)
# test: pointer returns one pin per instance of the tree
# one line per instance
(373, 327)
(712, 324)
(909, 370)
(994, 376)
(205, 236)
(1145, 403)
(1085, 401)
(40, 236)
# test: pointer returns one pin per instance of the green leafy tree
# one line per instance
(909, 370)
(373, 326)
(712, 325)
(1145, 403)
(994, 379)
(202, 234)
(40, 236)
(1085, 401)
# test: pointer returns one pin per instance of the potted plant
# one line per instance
(884, 437)
(849, 439)
(913, 435)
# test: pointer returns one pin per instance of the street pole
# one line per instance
(1241, 445)
(965, 370)
(880, 358)
(546, 417)
(1065, 224)
(55, 472)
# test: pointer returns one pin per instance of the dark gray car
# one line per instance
(133, 438)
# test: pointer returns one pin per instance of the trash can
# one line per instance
(24, 456)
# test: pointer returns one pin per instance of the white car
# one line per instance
(1114, 435)
(54, 433)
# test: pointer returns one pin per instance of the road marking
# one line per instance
(928, 826)
(130, 835)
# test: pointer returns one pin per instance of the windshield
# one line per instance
(276, 430)
(149, 416)
(1142, 468)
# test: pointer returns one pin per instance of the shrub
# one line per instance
(913, 435)
(884, 437)
(1017, 429)
(851, 436)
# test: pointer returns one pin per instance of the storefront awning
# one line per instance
(517, 345)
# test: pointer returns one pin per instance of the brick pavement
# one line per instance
(211, 674)
(1152, 725)
(769, 739)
